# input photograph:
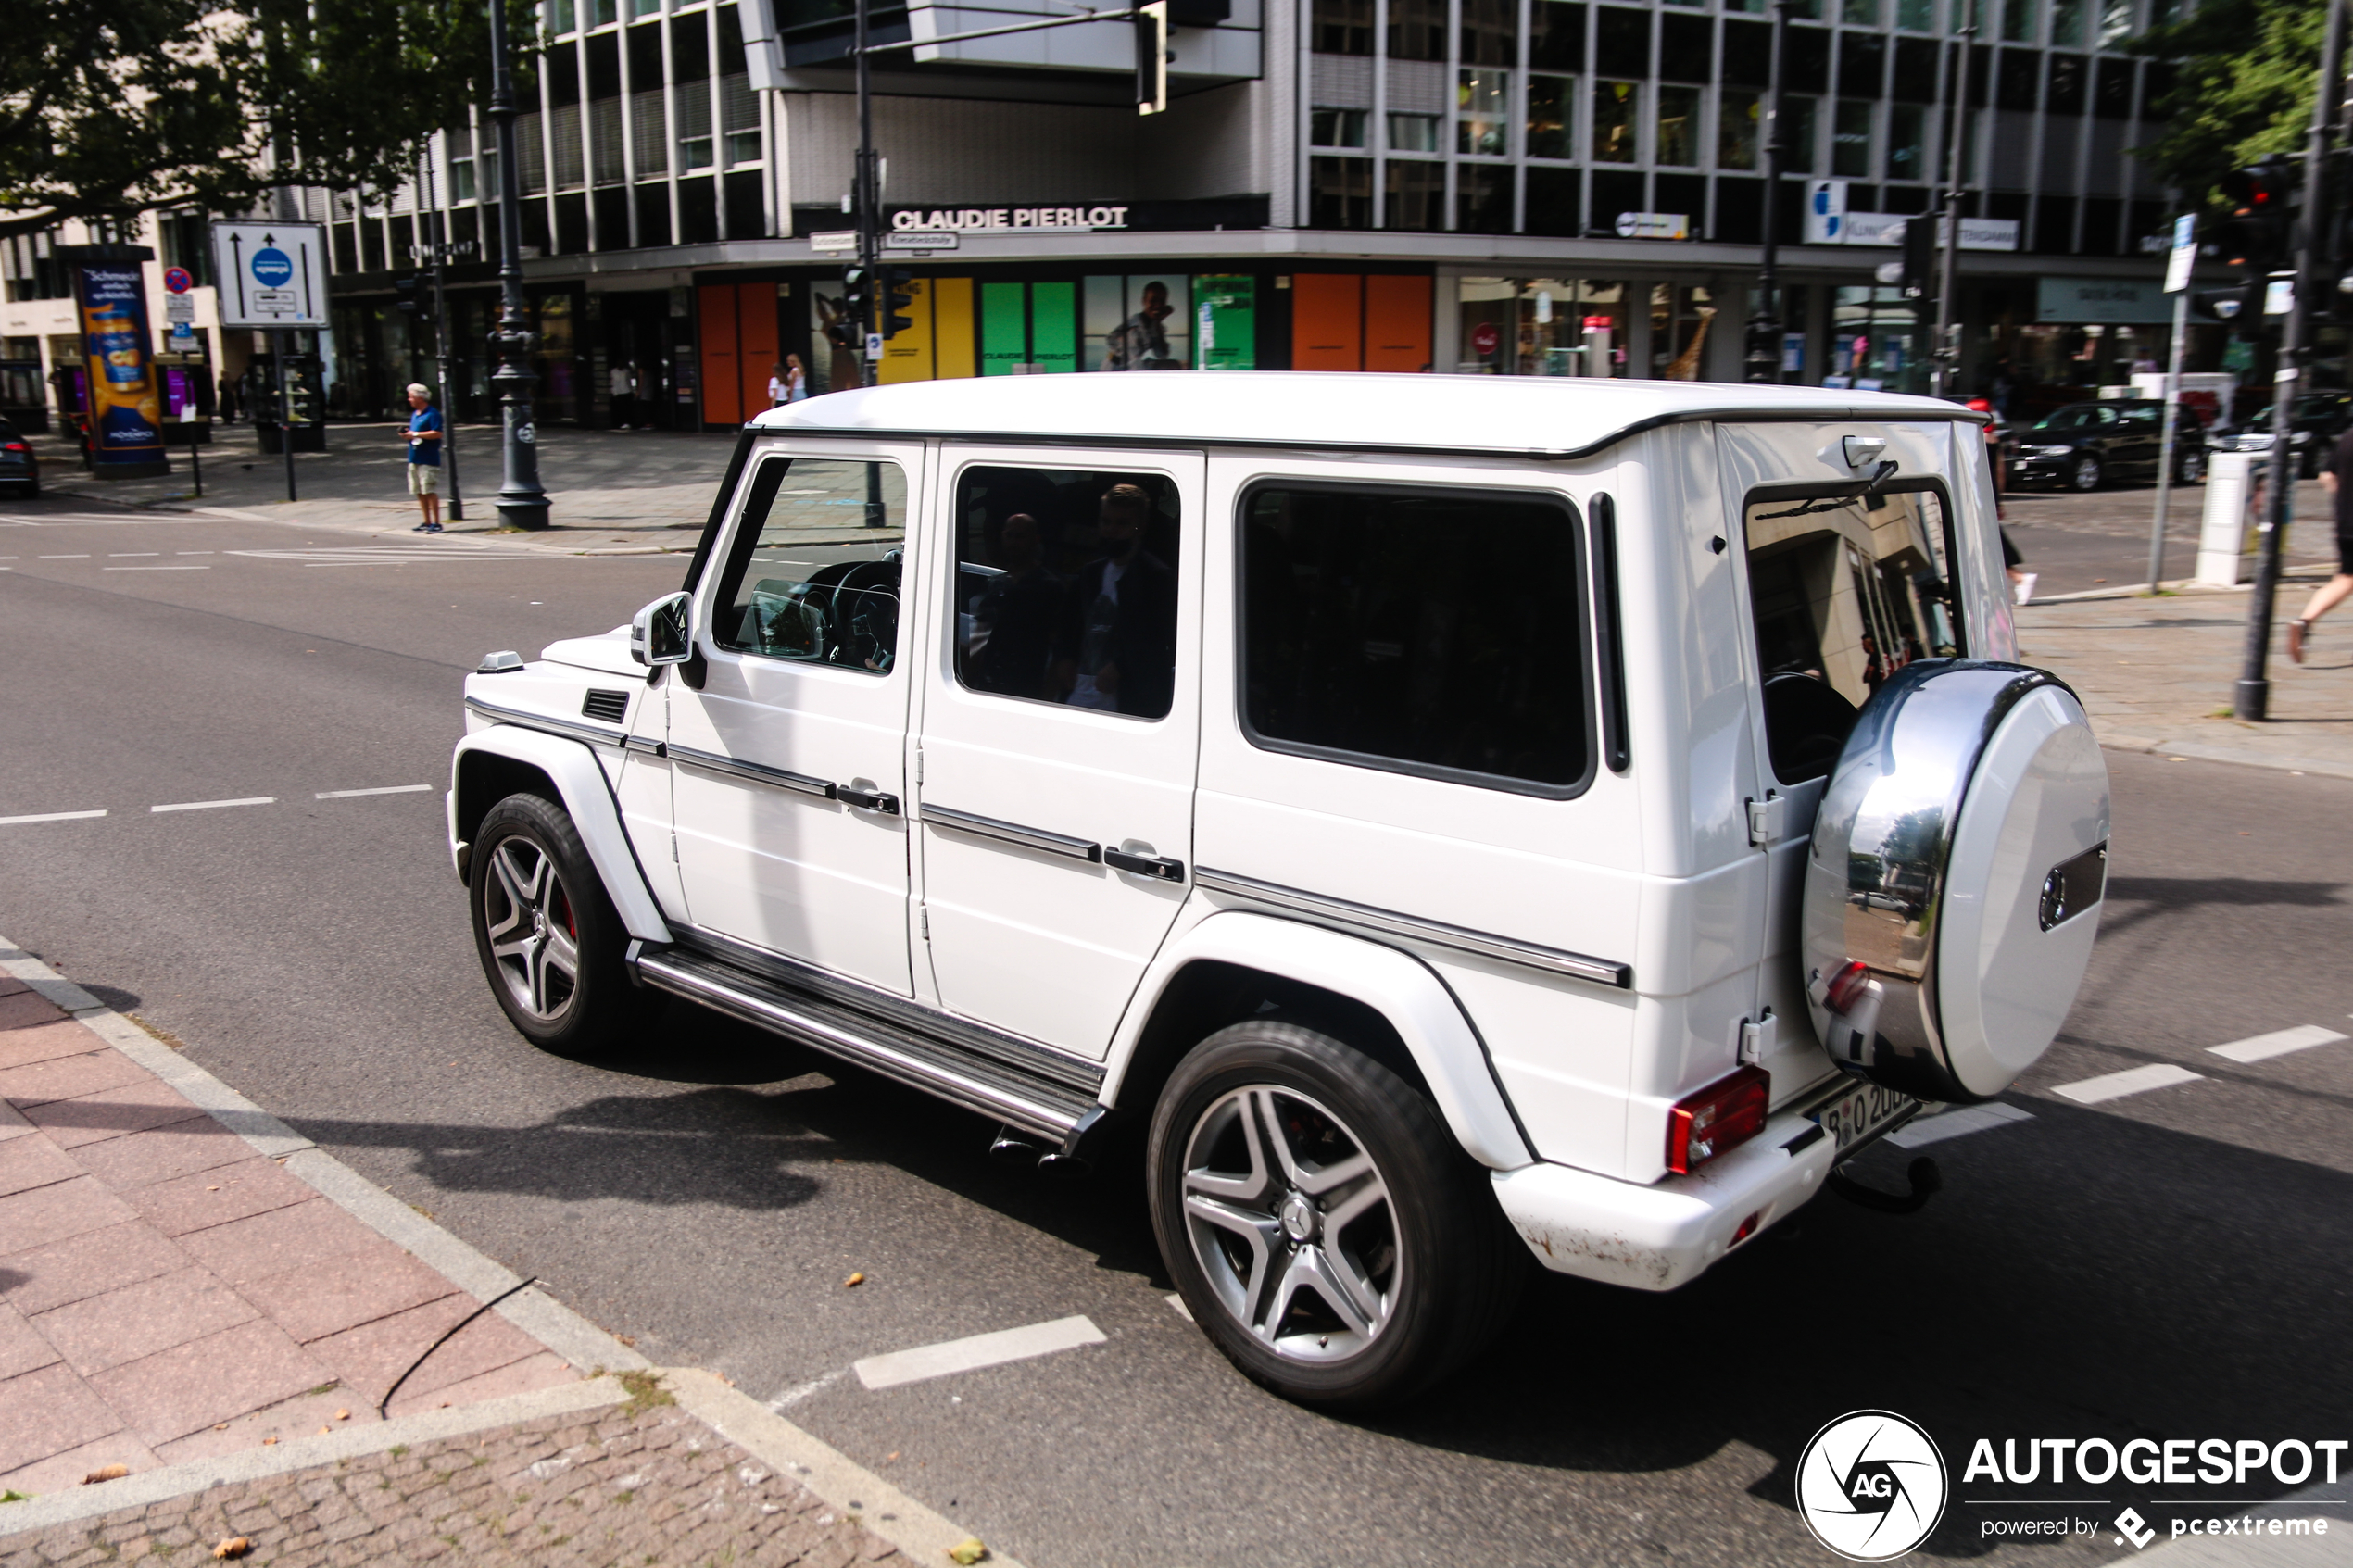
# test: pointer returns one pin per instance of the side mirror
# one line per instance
(662, 633)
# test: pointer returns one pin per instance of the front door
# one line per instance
(1059, 733)
(788, 763)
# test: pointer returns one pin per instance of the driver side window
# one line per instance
(1845, 592)
(803, 580)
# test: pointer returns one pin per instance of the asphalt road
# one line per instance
(2079, 544)
(2171, 1264)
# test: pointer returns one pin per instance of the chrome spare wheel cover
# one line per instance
(534, 936)
(1959, 858)
(1292, 1224)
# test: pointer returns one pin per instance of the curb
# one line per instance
(302, 1453)
(2200, 751)
(915, 1529)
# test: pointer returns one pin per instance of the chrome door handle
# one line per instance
(1158, 867)
(867, 800)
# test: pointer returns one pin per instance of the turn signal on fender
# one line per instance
(1718, 1119)
(1846, 988)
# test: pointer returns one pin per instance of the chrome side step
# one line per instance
(992, 1087)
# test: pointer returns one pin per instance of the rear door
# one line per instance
(1058, 735)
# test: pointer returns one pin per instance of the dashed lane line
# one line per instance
(1925, 1130)
(212, 805)
(980, 1350)
(51, 817)
(2263, 1047)
(387, 789)
(174, 567)
(2132, 1081)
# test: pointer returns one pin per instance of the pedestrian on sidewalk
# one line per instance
(2333, 591)
(624, 395)
(779, 390)
(425, 457)
(796, 379)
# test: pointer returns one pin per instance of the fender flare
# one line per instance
(580, 783)
(1399, 986)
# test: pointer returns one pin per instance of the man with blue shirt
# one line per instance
(425, 457)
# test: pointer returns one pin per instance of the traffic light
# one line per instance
(1919, 255)
(898, 295)
(2260, 236)
(1151, 57)
(410, 305)
(858, 298)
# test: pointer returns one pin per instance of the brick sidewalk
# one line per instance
(170, 1294)
(2157, 674)
(635, 1483)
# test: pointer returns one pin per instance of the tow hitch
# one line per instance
(1926, 1180)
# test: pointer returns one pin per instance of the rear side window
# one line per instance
(1845, 592)
(1432, 631)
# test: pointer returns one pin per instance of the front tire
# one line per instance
(2191, 469)
(2083, 473)
(1320, 1222)
(550, 941)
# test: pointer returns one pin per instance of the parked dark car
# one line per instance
(2085, 445)
(19, 470)
(2318, 419)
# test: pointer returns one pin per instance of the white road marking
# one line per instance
(388, 789)
(129, 555)
(209, 805)
(50, 817)
(2132, 1081)
(815, 1386)
(61, 557)
(1182, 1310)
(1957, 1123)
(191, 552)
(980, 1350)
(2263, 1047)
(154, 569)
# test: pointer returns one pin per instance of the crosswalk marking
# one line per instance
(980, 1350)
(2132, 1081)
(2261, 1048)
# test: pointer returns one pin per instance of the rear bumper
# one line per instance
(1658, 1236)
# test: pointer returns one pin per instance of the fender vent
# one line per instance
(610, 706)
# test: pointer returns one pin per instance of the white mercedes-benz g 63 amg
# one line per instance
(1455, 820)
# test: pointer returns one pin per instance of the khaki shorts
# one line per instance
(424, 478)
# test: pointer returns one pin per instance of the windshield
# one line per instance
(2079, 416)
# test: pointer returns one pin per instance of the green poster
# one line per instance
(1226, 331)
(1004, 328)
(1053, 326)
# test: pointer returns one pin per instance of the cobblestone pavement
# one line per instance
(629, 1485)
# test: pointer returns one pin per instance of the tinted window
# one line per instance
(1844, 592)
(794, 588)
(1066, 588)
(1439, 632)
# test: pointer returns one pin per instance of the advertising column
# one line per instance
(125, 412)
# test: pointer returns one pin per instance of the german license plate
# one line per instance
(1863, 1112)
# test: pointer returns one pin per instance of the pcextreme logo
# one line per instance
(1871, 1486)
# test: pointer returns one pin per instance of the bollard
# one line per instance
(2222, 557)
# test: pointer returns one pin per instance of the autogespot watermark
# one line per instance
(1873, 1485)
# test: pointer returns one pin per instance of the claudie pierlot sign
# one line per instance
(967, 219)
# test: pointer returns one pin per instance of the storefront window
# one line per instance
(1875, 341)
(1681, 315)
(1549, 98)
(1614, 107)
(1142, 322)
(1541, 327)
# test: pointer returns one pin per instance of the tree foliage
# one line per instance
(108, 108)
(2242, 87)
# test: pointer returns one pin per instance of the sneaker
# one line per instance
(422, 528)
(430, 528)
(2026, 586)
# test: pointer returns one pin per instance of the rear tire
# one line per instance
(2190, 469)
(1321, 1222)
(550, 941)
(2083, 473)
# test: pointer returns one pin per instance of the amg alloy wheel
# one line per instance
(549, 939)
(1322, 1225)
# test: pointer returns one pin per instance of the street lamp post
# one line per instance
(1948, 329)
(1765, 321)
(521, 502)
(436, 228)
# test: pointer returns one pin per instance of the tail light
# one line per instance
(15, 446)
(1717, 1119)
(1846, 988)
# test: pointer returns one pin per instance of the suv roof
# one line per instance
(1525, 416)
